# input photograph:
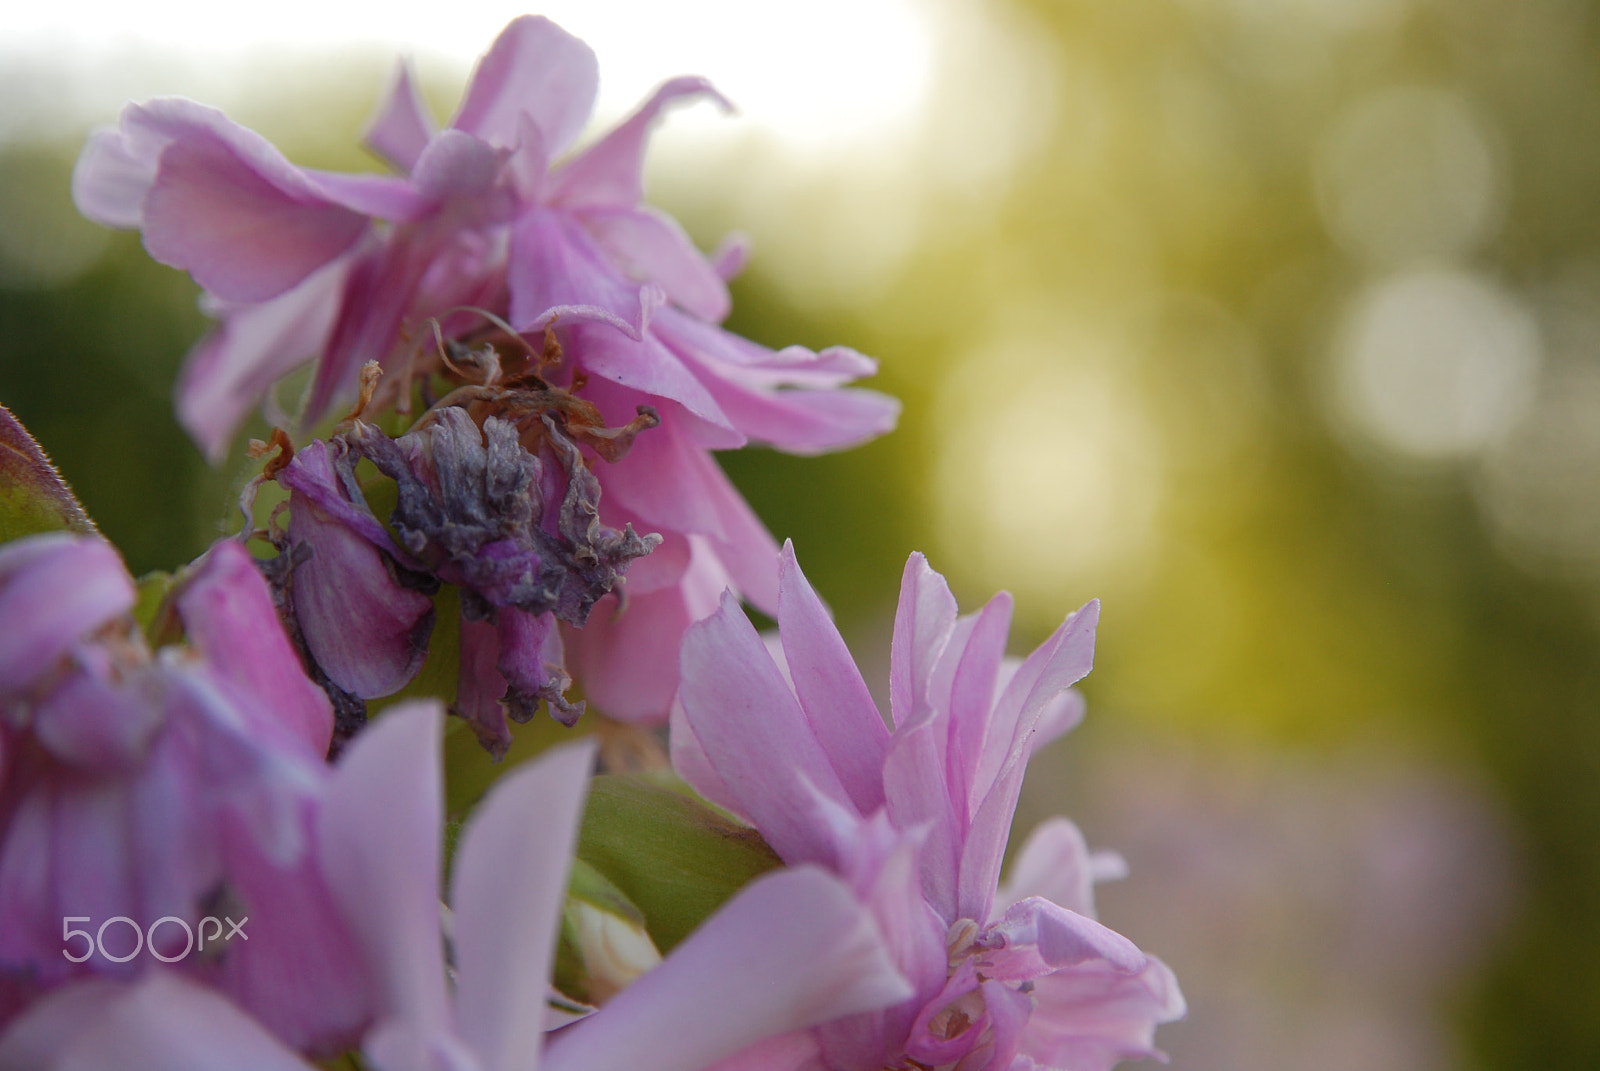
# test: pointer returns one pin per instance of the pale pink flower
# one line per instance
(789, 951)
(917, 817)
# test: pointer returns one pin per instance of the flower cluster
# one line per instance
(522, 494)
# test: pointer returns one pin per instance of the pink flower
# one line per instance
(305, 265)
(148, 784)
(789, 951)
(916, 818)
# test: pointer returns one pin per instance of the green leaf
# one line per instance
(33, 496)
(673, 857)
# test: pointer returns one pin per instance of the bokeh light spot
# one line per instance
(1435, 364)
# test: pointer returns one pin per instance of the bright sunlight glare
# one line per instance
(836, 70)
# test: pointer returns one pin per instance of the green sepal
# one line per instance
(154, 612)
(674, 857)
(33, 496)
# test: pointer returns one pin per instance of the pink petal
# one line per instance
(1036, 937)
(556, 268)
(792, 950)
(366, 631)
(480, 687)
(651, 245)
(65, 587)
(731, 255)
(918, 795)
(804, 422)
(402, 126)
(229, 619)
(1054, 864)
(628, 659)
(609, 171)
(835, 699)
(792, 366)
(1009, 1013)
(457, 165)
(926, 613)
(532, 664)
(378, 845)
(972, 690)
(112, 177)
(984, 843)
(299, 974)
(379, 293)
(227, 206)
(915, 937)
(796, 1051)
(689, 761)
(1060, 662)
(94, 722)
(164, 1023)
(755, 734)
(1092, 1018)
(233, 367)
(537, 69)
(509, 885)
(646, 366)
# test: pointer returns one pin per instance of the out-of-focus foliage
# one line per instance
(1274, 323)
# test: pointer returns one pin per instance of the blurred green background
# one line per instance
(1275, 324)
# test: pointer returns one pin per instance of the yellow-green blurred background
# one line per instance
(1275, 324)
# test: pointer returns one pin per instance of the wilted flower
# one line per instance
(754, 970)
(517, 530)
(305, 265)
(917, 819)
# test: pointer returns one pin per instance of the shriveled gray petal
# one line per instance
(510, 528)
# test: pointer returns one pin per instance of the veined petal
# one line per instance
(918, 795)
(555, 265)
(792, 950)
(534, 68)
(609, 171)
(400, 129)
(972, 689)
(922, 622)
(755, 734)
(378, 844)
(227, 207)
(835, 699)
(509, 884)
(1060, 662)
(651, 245)
(689, 762)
